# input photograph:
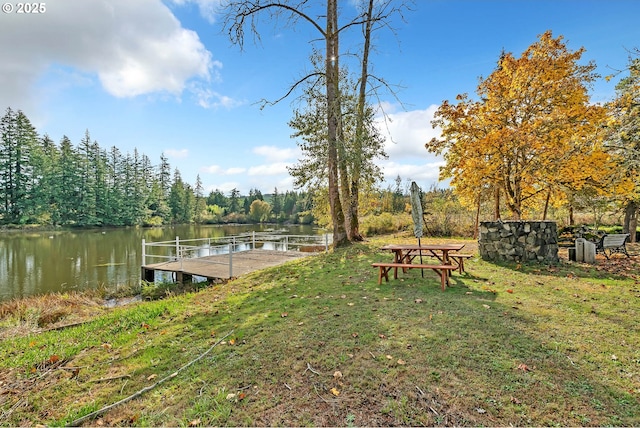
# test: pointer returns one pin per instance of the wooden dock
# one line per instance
(221, 266)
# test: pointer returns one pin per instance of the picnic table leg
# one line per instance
(444, 277)
(446, 261)
(383, 272)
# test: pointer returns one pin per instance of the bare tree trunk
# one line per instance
(630, 225)
(333, 111)
(572, 221)
(477, 222)
(496, 207)
(546, 205)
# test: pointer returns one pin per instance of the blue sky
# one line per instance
(160, 76)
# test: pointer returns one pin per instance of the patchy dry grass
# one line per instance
(318, 342)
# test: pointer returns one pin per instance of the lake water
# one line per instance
(33, 263)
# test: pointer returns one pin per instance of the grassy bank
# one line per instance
(318, 342)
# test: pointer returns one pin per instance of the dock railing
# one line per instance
(178, 249)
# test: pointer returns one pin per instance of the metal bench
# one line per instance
(613, 243)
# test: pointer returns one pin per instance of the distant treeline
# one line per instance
(85, 185)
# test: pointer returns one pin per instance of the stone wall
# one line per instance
(528, 241)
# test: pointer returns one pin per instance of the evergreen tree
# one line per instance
(67, 184)
(86, 203)
(115, 188)
(44, 158)
(216, 197)
(181, 200)
(17, 139)
(234, 201)
(200, 205)
(276, 202)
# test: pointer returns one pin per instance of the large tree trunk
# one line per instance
(352, 219)
(631, 220)
(332, 79)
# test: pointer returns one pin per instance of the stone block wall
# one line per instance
(526, 241)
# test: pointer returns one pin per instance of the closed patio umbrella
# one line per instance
(416, 214)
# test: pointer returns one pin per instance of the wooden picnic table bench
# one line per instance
(459, 260)
(614, 243)
(441, 270)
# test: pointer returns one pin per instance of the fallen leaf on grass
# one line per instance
(195, 423)
(510, 291)
(418, 300)
(284, 315)
(354, 335)
(486, 306)
(523, 367)
(335, 392)
(389, 357)
(402, 362)
(514, 400)
(337, 374)
(241, 396)
(152, 377)
(614, 358)
(231, 396)
(481, 410)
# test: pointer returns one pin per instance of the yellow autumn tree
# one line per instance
(532, 128)
(624, 141)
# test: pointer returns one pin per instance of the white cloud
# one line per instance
(208, 98)
(407, 132)
(177, 153)
(133, 47)
(207, 8)
(225, 187)
(271, 169)
(218, 170)
(275, 154)
(424, 174)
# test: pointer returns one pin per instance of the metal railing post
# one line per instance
(253, 240)
(144, 253)
(230, 261)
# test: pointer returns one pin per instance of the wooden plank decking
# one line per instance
(217, 266)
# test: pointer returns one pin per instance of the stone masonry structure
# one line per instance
(525, 241)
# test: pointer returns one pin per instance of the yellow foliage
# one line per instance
(533, 131)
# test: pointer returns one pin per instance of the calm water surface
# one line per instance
(34, 263)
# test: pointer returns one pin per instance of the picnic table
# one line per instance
(404, 254)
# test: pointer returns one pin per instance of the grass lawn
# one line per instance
(318, 342)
